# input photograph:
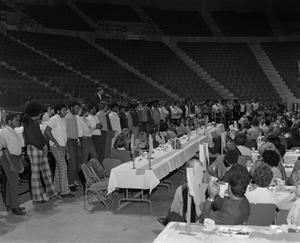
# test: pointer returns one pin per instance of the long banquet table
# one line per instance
(175, 232)
(165, 160)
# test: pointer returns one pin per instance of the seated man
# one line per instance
(231, 210)
(234, 209)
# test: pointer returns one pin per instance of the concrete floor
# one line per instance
(67, 221)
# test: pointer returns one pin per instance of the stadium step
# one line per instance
(273, 75)
(135, 71)
(218, 87)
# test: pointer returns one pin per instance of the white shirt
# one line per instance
(58, 130)
(84, 127)
(163, 113)
(92, 122)
(10, 139)
(115, 122)
(261, 195)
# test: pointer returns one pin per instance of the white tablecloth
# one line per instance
(175, 233)
(164, 161)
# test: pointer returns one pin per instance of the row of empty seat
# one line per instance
(45, 70)
(234, 66)
(13, 83)
(285, 57)
(89, 60)
(157, 61)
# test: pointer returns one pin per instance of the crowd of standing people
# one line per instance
(72, 134)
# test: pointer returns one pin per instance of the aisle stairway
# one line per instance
(195, 67)
(135, 71)
(273, 75)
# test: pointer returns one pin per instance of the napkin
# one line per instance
(209, 224)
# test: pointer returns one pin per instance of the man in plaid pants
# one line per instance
(38, 155)
(57, 133)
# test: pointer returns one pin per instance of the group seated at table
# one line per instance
(244, 188)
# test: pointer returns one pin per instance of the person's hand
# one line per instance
(213, 189)
(78, 143)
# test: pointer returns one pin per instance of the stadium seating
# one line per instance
(284, 56)
(157, 61)
(242, 24)
(45, 70)
(13, 83)
(103, 11)
(57, 17)
(181, 23)
(81, 56)
(234, 66)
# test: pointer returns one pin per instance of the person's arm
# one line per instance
(213, 190)
(50, 136)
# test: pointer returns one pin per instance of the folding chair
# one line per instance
(123, 155)
(195, 186)
(97, 169)
(109, 164)
(261, 214)
(93, 186)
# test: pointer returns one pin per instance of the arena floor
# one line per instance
(67, 221)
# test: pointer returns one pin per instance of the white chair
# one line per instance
(204, 160)
(223, 141)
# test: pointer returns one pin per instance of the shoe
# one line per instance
(40, 202)
(17, 211)
(21, 208)
(161, 220)
(69, 195)
(55, 197)
(73, 188)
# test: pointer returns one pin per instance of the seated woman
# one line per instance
(262, 178)
(272, 158)
(141, 142)
(119, 150)
(181, 128)
(266, 147)
(120, 142)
